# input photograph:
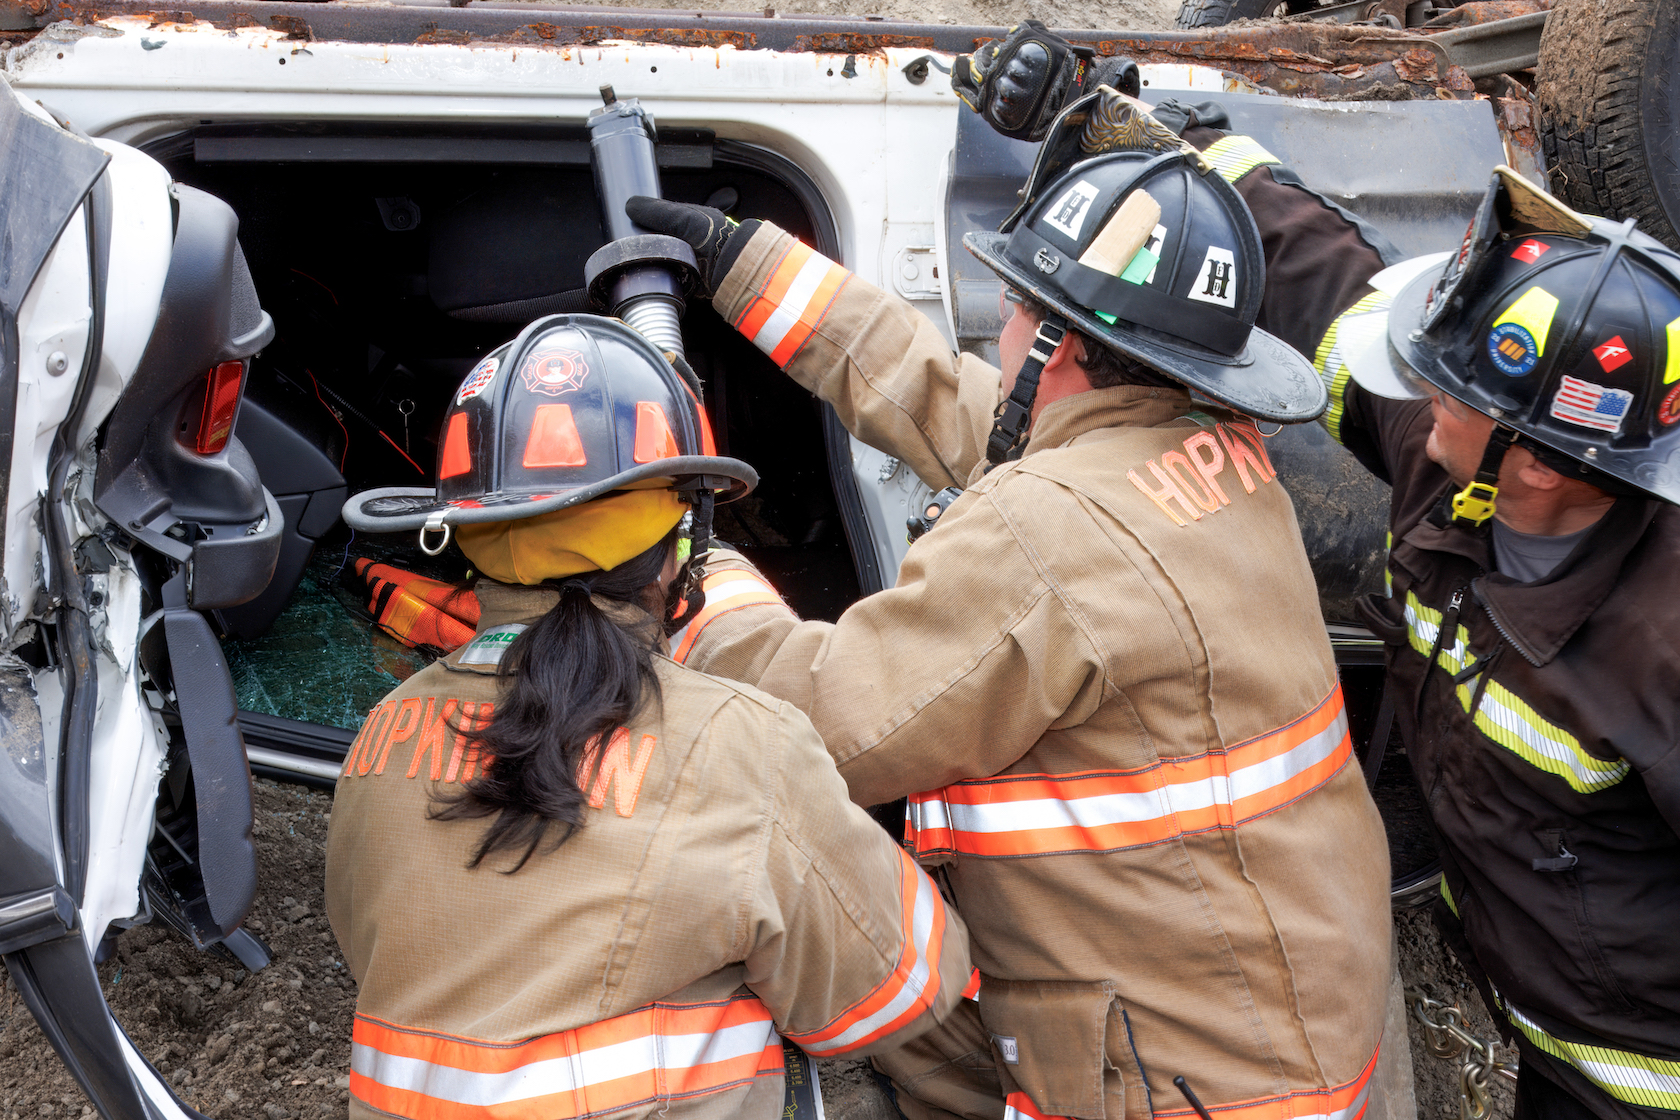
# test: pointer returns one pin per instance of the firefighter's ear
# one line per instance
(1065, 371)
(1534, 474)
(1068, 352)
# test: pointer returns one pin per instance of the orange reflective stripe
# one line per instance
(658, 1052)
(725, 591)
(1343, 1102)
(1019, 1106)
(972, 989)
(1040, 814)
(907, 991)
(792, 302)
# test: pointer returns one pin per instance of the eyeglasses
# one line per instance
(1008, 300)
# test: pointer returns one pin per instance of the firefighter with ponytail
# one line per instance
(572, 877)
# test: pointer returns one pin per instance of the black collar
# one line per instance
(1539, 618)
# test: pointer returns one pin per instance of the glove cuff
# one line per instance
(1116, 73)
(730, 251)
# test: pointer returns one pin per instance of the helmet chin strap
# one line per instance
(688, 586)
(1473, 505)
(1014, 413)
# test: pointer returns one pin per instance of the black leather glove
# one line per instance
(1178, 115)
(1021, 82)
(717, 239)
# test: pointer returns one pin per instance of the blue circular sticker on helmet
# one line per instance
(1512, 349)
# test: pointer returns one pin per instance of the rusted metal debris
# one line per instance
(1332, 62)
(21, 15)
(1486, 11)
(852, 42)
(1516, 125)
(554, 34)
(294, 26)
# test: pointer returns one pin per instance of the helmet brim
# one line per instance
(1267, 380)
(1362, 342)
(1409, 348)
(398, 509)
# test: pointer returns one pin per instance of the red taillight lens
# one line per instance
(221, 403)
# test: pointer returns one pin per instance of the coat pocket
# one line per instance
(1385, 616)
(1051, 1040)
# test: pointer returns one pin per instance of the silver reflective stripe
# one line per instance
(594, 1066)
(1634, 1078)
(792, 305)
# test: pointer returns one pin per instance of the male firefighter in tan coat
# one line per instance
(1101, 680)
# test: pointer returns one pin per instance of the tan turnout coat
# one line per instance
(722, 891)
(1103, 682)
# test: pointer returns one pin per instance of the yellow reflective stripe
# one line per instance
(1505, 718)
(1235, 156)
(1388, 572)
(1447, 895)
(1423, 624)
(1633, 1078)
(1671, 373)
(1331, 366)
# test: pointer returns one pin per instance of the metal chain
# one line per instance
(1445, 1036)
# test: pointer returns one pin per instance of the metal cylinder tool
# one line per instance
(638, 276)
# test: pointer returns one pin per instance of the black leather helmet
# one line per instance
(575, 407)
(1187, 304)
(1564, 328)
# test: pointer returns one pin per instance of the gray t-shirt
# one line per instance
(1526, 557)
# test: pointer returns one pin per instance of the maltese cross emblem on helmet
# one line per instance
(554, 371)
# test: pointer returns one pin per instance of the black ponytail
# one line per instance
(569, 680)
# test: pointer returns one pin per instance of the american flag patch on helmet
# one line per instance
(1591, 406)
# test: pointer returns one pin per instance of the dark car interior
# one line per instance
(392, 260)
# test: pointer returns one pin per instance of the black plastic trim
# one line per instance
(28, 843)
(314, 742)
(227, 856)
(861, 539)
(75, 637)
(194, 332)
(804, 188)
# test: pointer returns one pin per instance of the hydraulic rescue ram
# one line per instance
(638, 276)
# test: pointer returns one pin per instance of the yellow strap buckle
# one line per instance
(1474, 503)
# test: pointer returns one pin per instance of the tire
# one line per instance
(1609, 103)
